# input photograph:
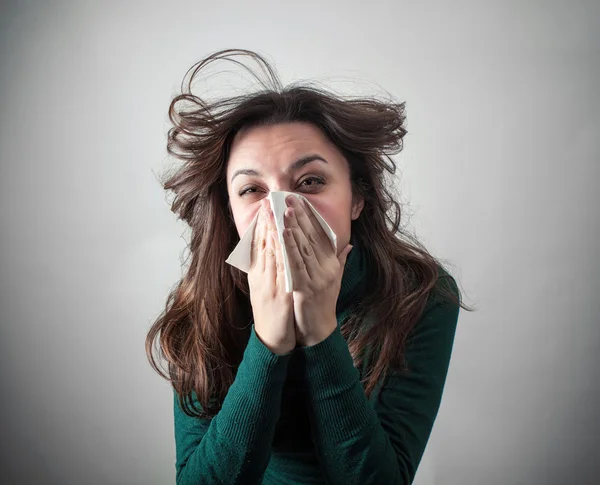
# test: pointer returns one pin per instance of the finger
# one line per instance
(270, 253)
(270, 270)
(318, 228)
(279, 264)
(343, 257)
(298, 260)
(255, 239)
(302, 255)
(259, 241)
(322, 248)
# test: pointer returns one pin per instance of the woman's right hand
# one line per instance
(272, 307)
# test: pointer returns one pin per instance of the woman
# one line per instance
(340, 380)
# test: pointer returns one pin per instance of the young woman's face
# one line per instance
(294, 157)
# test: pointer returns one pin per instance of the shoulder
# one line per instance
(429, 343)
(445, 291)
(437, 325)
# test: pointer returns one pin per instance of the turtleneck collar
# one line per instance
(354, 278)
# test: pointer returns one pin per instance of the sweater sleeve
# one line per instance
(234, 446)
(381, 440)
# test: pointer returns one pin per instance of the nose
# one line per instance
(279, 188)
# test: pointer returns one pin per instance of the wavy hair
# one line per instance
(205, 326)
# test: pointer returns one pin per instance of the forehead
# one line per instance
(278, 143)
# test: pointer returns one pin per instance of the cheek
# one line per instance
(338, 217)
(243, 216)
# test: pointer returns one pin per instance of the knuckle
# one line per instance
(307, 250)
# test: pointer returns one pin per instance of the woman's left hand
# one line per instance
(316, 273)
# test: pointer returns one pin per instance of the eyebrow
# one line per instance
(298, 164)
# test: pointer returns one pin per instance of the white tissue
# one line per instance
(240, 256)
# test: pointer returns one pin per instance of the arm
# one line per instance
(382, 440)
(235, 446)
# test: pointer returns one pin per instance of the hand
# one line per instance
(272, 307)
(316, 272)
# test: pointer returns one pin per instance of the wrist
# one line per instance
(281, 347)
(317, 335)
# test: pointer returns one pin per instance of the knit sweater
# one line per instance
(303, 417)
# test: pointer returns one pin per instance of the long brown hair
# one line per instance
(203, 331)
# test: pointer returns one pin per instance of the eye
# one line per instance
(318, 181)
(313, 182)
(246, 190)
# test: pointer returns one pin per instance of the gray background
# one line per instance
(500, 172)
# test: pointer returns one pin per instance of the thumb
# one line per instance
(344, 255)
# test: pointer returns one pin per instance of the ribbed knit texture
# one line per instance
(303, 417)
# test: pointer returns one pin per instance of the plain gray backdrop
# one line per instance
(500, 172)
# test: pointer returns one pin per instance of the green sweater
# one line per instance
(303, 417)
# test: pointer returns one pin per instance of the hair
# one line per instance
(205, 326)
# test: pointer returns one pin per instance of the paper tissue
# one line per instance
(240, 256)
